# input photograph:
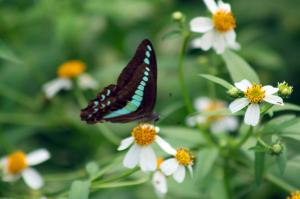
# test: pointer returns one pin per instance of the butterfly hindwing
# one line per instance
(134, 96)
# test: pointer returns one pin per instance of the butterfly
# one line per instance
(133, 97)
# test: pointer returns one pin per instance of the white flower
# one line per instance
(176, 166)
(254, 94)
(54, 86)
(67, 71)
(141, 152)
(218, 31)
(18, 164)
(217, 123)
(159, 182)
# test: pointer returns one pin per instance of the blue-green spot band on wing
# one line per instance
(137, 98)
(149, 47)
(141, 87)
(146, 60)
(148, 54)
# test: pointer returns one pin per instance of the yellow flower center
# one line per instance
(144, 134)
(255, 93)
(224, 21)
(294, 195)
(184, 157)
(16, 162)
(214, 106)
(158, 162)
(71, 69)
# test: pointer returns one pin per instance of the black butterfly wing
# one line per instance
(134, 96)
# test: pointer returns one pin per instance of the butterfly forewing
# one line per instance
(134, 96)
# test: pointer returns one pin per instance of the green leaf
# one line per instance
(285, 107)
(206, 159)
(282, 161)
(277, 124)
(217, 80)
(120, 184)
(180, 135)
(259, 166)
(7, 54)
(92, 168)
(238, 68)
(79, 190)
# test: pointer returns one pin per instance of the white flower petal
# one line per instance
(273, 99)
(159, 182)
(169, 166)
(252, 115)
(201, 103)
(205, 42)
(179, 174)
(224, 6)
(53, 87)
(201, 24)
(37, 157)
(147, 159)
(230, 38)
(157, 129)
(243, 85)
(219, 43)
(85, 81)
(226, 124)
(165, 145)
(211, 5)
(10, 178)
(190, 168)
(132, 157)
(270, 90)
(238, 104)
(3, 161)
(191, 121)
(125, 143)
(32, 178)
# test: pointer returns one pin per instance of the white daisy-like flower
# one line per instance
(65, 73)
(217, 123)
(18, 164)
(218, 31)
(159, 180)
(141, 152)
(176, 166)
(254, 95)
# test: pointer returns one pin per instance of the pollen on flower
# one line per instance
(224, 21)
(184, 157)
(158, 162)
(144, 134)
(16, 162)
(70, 69)
(214, 106)
(294, 195)
(255, 93)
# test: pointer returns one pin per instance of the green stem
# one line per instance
(226, 173)
(263, 143)
(184, 90)
(244, 139)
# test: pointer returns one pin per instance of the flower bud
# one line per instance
(277, 148)
(178, 16)
(285, 90)
(234, 92)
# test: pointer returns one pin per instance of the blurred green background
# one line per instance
(36, 36)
